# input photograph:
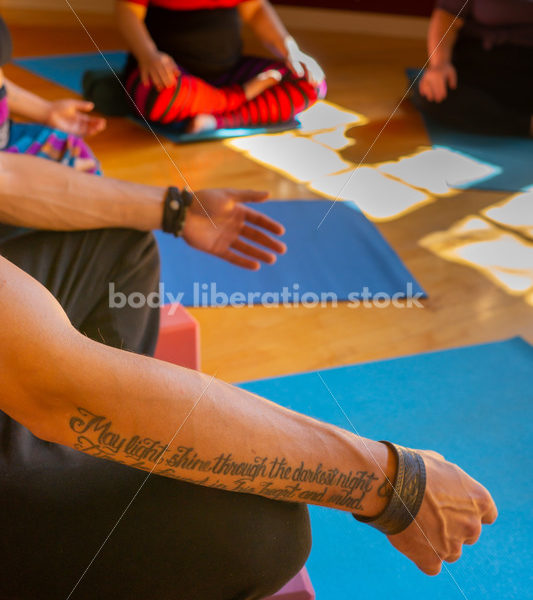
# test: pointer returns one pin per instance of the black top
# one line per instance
(206, 43)
(495, 22)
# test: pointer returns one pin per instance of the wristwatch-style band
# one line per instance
(175, 209)
(407, 494)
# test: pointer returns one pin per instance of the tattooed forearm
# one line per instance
(385, 489)
(273, 477)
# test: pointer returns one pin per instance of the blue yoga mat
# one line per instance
(512, 156)
(67, 70)
(475, 406)
(345, 255)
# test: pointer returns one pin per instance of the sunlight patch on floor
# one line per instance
(439, 170)
(312, 156)
(378, 196)
(334, 139)
(324, 115)
(298, 158)
(308, 152)
(515, 212)
(505, 259)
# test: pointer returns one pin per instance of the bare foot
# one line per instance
(202, 123)
(261, 82)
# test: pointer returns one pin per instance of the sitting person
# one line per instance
(187, 64)
(58, 126)
(203, 492)
(480, 73)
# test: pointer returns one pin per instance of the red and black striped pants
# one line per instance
(224, 96)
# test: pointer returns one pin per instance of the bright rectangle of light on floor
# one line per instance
(515, 212)
(504, 258)
(439, 170)
(378, 196)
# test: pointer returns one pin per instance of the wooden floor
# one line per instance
(365, 74)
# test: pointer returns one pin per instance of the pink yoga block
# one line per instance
(299, 588)
(179, 337)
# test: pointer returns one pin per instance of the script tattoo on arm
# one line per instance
(269, 476)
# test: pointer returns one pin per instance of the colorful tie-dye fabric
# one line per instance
(39, 140)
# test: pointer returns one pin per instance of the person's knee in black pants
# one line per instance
(174, 541)
(101, 278)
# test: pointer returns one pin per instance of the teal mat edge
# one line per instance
(515, 340)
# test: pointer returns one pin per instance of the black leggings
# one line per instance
(494, 94)
(177, 541)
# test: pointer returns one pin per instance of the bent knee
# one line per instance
(281, 553)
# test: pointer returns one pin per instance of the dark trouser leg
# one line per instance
(279, 103)
(471, 109)
(494, 94)
(177, 541)
(78, 269)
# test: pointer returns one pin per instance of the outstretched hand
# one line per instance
(220, 224)
(70, 116)
(454, 508)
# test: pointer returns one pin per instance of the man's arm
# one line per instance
(183, 424)
(42, 194)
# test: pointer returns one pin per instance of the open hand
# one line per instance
(160, 69)
(303, 65)
(454, 508)
(70, 116)
(436, 80)
(219, 223)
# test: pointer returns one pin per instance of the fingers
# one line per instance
(259, 237)
(433, 86)
(318, 76)
(254, 252)
(425, 89)
(430, 566)
(472, 535)
(248, 195)
(452, 78)
(455, 553)
(260, 220)
(156, 75)
(297, 68)
(167, 71)
(240, 261)
(96, 125)
(83, 105)
(145, 76)
(439, 88)
(86, 125)
(490, 513)
(315, 74)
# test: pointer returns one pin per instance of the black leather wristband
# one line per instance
(407, 494)
(175, 209)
